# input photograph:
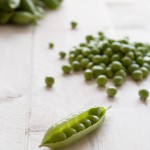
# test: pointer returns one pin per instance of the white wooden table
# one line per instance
(27, 108)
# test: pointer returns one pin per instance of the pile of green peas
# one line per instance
(102, 58)
(24, 12)
(66, 132)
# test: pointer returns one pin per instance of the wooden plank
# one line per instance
(15, 52)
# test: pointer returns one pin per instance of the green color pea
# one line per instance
(101, 80)
(144, 94)
(76, 66)
(49, 81)
(66, 69)
(95, 111)
(94, 119)
(87, 123)
(98, 70)
(70, 131)
(62, 54)
(88, 74)
(111, 91)
(79, 127)
(118, 80)
(137, 75)
(73, 24)
(109, 72)
(116, 65)
(58, 137)
(51, 45)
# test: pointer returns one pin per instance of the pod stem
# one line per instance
(108, 107)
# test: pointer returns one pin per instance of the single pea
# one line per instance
(73, 24)
(133, 67)
(121, 73)
(138, 44)
(90, 56)
(108, 52)
(84, 63)
(95, 111)
(137, 75)
(79, 57)
(101, 80)
(58, 137)
(87, 123)
(79, 127)
(146, 65)
(72, 57)
(75, 66)
(62, 54)
(139, 60)
(78, 51)
(145, 71)
(138, 53)
(70, 131)
(116, 46)
(142, 49)
(89, 65)
(97, 59)
(94, 51)
(125, 48)
(126, 61)
(130, 55)
(66, 69)
(86, 52)
(94, 119)
(89, 38)
(105, 59)
(109, 72)
(146, 59)
(83, 45)
(51, 45)
(49, 81)
(98, 70)
(116, 65)
(144, 94)
(88, 74)
(105, 44)
(118, 80)
(111, 91)
(103, 65)
(115, 57)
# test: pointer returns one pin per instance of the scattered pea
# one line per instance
(101, 80)
(49, 81)
(62, 54)
(88, 74)
(66, 69)
(51, 45)
(144, 94)
(73, 25)
(111, 91)
(118, 80)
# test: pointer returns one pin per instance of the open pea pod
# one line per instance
(5, 17)
(8, 5)
(74, 127)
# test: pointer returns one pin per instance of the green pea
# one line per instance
(95, 111)
(146, 59)
(49, 81)
(103, 65)
(111, 91)
(105, 59)
(116, 65)
(105, 44)
(72, 57)
(145, 71)
(101, 80)
(138, 53)
(139, 60)
(126, 61)
(133, 67)
(109, 72)
(87, 123)
(75, 66)
(137, 75)
(121, 73)
(79, 127)
(23, 18)
(130, 55)
(79, 57)
(97, 59)
(86, 52)
(118, 80)
(98, 70)
(89, 38)
(146, 65)
(84, 63)
(94, 119)
(116, 46)
(108, 52)
(52, 4)
(88, 74)
(90, 56)
(73, 25)
(58, 137)
(66, 69)
(70, 131)
(115, 57)
(51, 45)
(144, 94)
(62, 54)
(125, 48)
(89, 65)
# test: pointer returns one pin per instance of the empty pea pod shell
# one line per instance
(78, 125)
(23, 18)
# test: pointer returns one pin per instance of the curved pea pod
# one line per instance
(79, 125)
(7, 5)
(23, 18)
(52, 4)
(5, 17)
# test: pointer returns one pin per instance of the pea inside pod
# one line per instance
(73, 127)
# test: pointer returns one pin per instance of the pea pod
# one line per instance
(73, 127)
(7, 5)
(5, 17)
(23, 18)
